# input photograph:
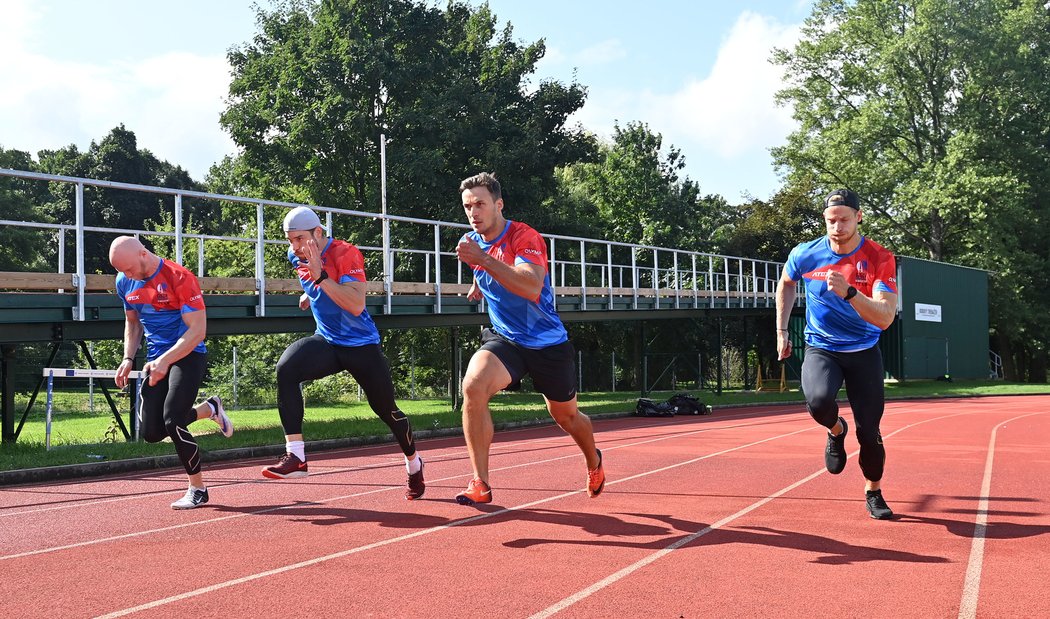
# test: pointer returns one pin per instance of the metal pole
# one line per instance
(91, 383)
(47, 421)
(234, 377)
(614, 371)
(78, 312)
(388, 261)
(178, 228)
(579, 371)
(260, 264)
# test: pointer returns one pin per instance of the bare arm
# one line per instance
(132, 339)
(349, 296)
(785, 301)
(879, 309)
(525, 279)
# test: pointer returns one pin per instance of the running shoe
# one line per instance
(415, 483)
(596, 478)
(220, 418)
(195, 497)
(877, 505)
(835, 453)
(287, 466)
(477, 492)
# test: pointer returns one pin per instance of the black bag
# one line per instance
(685, 404)
(648, 408)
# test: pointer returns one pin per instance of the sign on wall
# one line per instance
(927, 313)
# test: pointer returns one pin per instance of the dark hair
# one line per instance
(486, 180)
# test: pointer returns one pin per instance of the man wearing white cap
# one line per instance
(332, 274)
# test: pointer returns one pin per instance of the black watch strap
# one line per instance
(850, 293)
(320, 278)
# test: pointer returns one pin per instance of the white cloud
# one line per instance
(171, 102)
(731, 111)
(600, 53)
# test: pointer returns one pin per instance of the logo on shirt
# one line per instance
(529, 250)
(162, 293)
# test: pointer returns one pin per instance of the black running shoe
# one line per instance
(835, 453)
(877, 505)
(416, 486)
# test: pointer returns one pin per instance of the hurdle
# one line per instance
(52, 373)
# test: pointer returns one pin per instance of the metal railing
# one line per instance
(593, 269)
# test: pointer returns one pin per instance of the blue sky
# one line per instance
(694, 71)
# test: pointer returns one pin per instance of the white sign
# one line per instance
(928, 313)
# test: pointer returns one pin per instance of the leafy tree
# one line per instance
(935, 112)
(320, 81)
(20, 248)
(115, 158)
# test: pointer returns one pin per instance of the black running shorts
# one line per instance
(553, 369)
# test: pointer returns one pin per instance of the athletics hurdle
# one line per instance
(52, 373)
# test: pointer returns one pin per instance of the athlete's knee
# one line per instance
(477, 389)
(153, 434)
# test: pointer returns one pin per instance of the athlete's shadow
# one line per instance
(993, 529)
(600, 525)
(326, 515)
(830, 551)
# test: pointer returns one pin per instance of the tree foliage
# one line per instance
(935, 111)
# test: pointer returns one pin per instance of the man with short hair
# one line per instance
(163, 300)
(332, 274)
(851, 297)
(509, 260)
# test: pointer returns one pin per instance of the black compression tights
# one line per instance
(823, 373)
(314, 357)
(166, 409)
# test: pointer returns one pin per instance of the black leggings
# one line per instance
(823, 373)
(314, 357)
(166, 409)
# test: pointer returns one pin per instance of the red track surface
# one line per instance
(730, 515)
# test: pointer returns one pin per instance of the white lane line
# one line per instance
(102, 540)
(634, 567)
(357, 549)
(972, 584)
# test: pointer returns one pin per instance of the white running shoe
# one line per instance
(220, 418)
(195, 497)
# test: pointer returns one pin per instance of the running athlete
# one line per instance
(851, 297)
(509, 260)
(332, 274)
(163, 301)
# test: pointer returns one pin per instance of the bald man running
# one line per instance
(163, 301)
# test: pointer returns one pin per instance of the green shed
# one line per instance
(942, 322)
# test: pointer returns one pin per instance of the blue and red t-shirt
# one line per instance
(831, 322)
(344, 263)
(160, 301)
(532, 323)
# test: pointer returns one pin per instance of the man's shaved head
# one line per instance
(129, 256)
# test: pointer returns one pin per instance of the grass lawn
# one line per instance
(78, 437)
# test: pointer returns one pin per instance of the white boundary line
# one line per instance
(630, 569)
(357, 549)
(972, 584)
(81, 544)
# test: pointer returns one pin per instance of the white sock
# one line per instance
(414, 464)
(298, 448)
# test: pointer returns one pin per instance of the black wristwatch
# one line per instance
(850, 293)
(320, 278)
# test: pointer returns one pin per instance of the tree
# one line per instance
(935, 112)
(115, 158)
(20, 248)
(319, 83)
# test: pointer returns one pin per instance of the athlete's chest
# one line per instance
(158, 295)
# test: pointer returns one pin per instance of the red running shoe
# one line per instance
(477, 492)
(288, 466)
(596, 478)
(416, 487)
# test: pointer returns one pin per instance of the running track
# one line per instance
(730, 515)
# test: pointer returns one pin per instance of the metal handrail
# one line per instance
(593, 265)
